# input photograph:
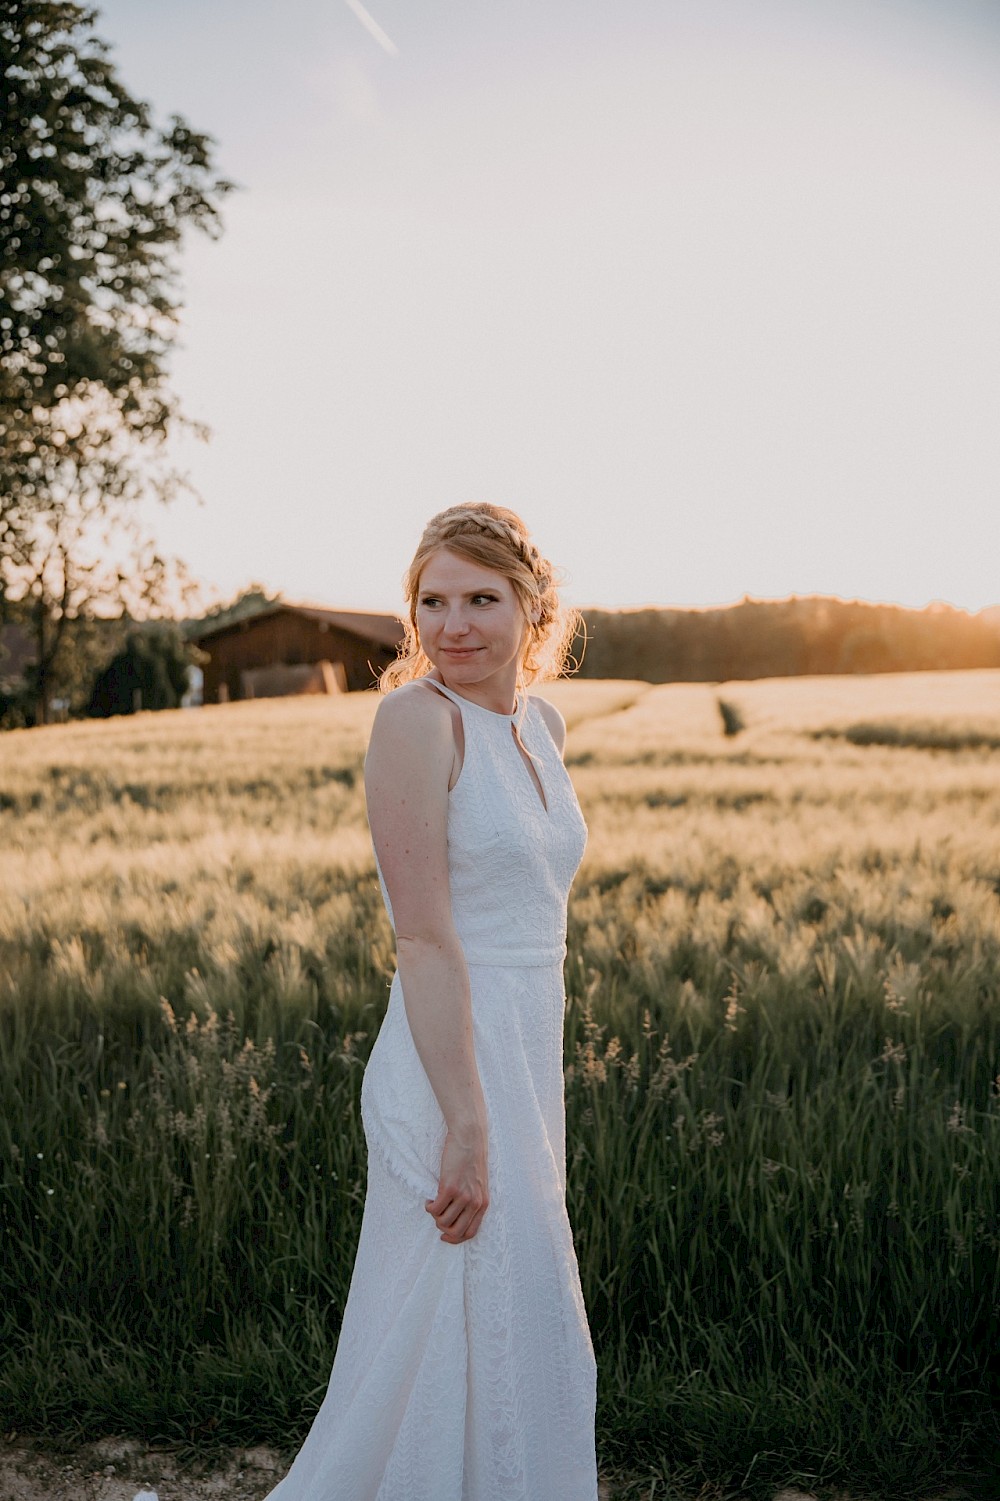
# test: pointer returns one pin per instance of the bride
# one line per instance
(464, 1369)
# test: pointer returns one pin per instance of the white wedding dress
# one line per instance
(466, 1373)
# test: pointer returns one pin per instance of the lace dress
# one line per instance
(466, 1373)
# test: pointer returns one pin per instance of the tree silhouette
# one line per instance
(94, 201)
(150, 672)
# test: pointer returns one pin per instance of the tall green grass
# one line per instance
(783, 1089)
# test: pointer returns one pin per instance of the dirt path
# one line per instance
(116, 1469)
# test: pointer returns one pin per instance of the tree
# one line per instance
(94, 201)
(150, 672)
(86, 644)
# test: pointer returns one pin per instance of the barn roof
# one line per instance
(385, 630)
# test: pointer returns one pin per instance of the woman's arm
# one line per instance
(410, 758)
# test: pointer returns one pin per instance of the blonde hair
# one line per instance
(497, 539)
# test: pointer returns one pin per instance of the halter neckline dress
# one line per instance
(466, 1373)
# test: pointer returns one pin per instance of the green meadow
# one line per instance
(782, 1062)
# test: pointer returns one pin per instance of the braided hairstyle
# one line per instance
(496, 539)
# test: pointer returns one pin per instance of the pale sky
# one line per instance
(708, 290)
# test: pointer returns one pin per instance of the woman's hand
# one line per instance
(463, 1196)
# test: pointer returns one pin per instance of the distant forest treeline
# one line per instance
(784, 638)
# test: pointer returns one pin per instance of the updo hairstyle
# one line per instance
(496, 539)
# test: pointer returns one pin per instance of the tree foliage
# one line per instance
(150, 672)
(760, 638)
(94, 201)
(86, 643)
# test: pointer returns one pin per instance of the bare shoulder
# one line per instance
(415, 719)
(411, 751)
(553, 719)
(412, 705)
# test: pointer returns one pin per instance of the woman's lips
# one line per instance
(460, 651)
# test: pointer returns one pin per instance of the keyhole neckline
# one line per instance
(514, 719)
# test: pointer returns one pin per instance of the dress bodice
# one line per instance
(511, 858)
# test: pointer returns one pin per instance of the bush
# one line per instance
(150, 672)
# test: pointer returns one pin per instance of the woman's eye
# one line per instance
(432, 600)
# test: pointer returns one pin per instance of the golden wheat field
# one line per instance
(782, 1058)
(155, 816)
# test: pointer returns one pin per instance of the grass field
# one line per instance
(783, 1073)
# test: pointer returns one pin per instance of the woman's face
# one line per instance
(470, 623)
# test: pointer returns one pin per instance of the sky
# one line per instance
(707, 290)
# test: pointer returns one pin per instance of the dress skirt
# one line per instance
(463, 1373)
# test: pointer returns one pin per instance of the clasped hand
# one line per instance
(462, 1196)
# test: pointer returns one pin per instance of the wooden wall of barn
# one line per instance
(288, 638)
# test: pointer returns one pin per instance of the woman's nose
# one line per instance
(456, 623)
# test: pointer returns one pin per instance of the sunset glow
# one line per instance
(707, 291)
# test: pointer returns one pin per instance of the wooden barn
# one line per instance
(291, 648)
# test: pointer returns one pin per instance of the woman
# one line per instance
(464, 1370)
